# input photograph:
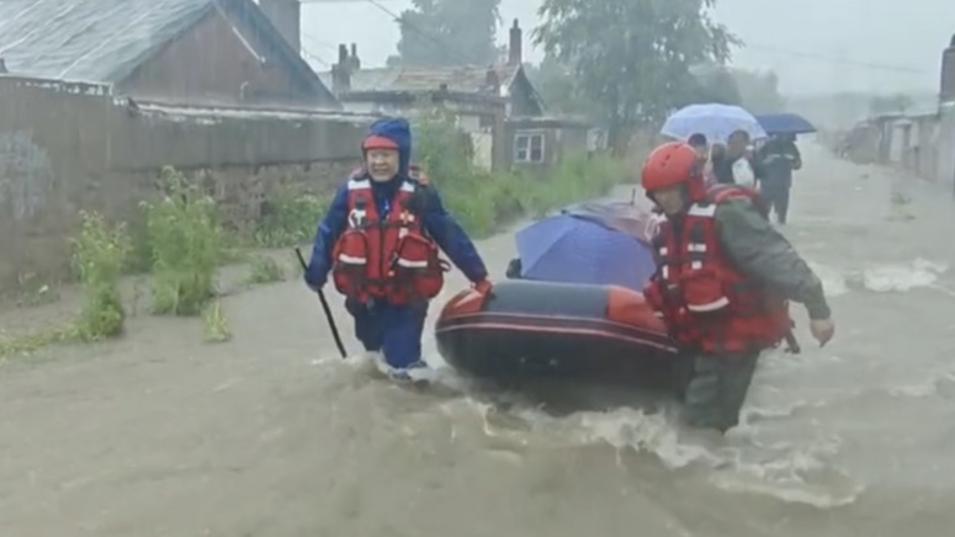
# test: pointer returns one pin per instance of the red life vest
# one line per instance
(707, 303)
(391, 259)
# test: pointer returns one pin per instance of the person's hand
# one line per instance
(483, 287)
(315, 286)
(823, 330)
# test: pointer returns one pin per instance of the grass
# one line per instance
(484, 201)
(182, 243)
(290, 219)
(100, 257)
(216, 326)
(29, 344)
(187, 245)
(576, 178)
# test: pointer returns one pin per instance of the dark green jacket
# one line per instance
(761, 252)
(776, 162)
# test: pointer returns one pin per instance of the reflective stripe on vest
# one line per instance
(344, 258)
(359, 184)
(719, 309)
(703, 211)
(412, 264)
(712, 306)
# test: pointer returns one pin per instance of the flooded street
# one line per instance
(273, 435)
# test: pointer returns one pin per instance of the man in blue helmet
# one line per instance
(380, 241)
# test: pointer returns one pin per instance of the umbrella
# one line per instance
(716, 121)
(785, 124)
(627, 217)
(568, 249)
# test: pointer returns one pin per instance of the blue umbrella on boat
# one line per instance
(570, 249)
(785, 124)
(716, 121)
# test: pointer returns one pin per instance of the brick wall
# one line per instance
(66, 147)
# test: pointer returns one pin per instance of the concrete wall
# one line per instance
(68, 147)
(923, 144)
(945, 170)
(216, 62)
(925, 150)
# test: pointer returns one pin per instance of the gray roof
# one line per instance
(464, 79)
(106, 40)
(90, 40)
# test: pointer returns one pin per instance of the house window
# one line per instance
(529, 147)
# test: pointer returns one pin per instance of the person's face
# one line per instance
(382, 164)
(671, 200)
(702, 152)
(737, 145)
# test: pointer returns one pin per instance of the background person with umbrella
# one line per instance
(778, 158)
(715, 122)
(720, 124)
(736, 166)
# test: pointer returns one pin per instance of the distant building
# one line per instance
(496, 105)
(922, 141)
(216, 52)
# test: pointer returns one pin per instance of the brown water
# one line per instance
(271, 434)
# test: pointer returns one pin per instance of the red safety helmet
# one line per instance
(672, 164)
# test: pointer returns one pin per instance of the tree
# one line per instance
(555, 83)
(759, 91)
(713, 84)
(449, 32)
(633, 57)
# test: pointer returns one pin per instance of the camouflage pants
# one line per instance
(717, 389)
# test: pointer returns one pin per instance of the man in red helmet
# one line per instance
(723, 285)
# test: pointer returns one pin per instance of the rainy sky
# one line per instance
(816, 46)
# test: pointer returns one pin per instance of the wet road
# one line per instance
(271, 434)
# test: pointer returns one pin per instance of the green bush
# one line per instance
(290, 219)
(468, 192)
(100, 257)
(186, 242)
(141, 255)
(483, 201)
(576, 178)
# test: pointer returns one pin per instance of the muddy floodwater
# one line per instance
(273, 435)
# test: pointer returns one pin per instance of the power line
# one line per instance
(448, 50)
(315, 57)
(834, 60)
(319, 42)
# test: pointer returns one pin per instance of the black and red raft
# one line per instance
(527, 328)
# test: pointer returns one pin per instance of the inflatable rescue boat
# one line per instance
(533, 328)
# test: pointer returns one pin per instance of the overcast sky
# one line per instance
(815, 45)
